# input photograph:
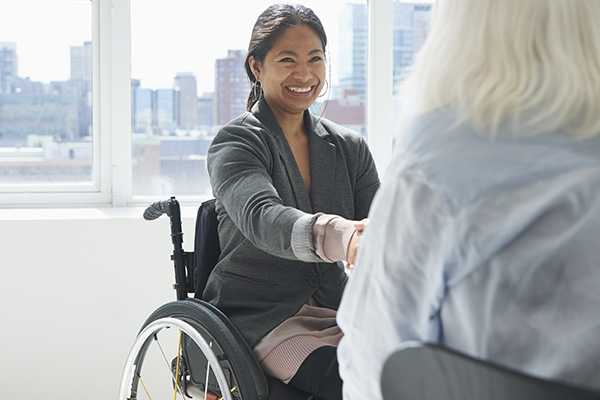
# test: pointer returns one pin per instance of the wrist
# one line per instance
(332, 235)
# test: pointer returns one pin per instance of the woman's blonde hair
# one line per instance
(533, 63)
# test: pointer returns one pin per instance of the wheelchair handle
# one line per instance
(179, 256)
(158, 208)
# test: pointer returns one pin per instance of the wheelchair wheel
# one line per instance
(186, 350)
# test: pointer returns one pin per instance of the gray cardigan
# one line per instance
(259, 281)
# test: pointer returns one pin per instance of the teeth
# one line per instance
(300, 90)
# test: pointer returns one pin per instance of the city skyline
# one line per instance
(182, 100)
(49, 124)
(148, 28)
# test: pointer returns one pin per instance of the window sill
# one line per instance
(97, 213)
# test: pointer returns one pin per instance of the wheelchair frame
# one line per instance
(212, 360)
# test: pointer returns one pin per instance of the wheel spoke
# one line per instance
(144, 386)
(177, 369)
(173, 377)
(207, 373)
(231, 390)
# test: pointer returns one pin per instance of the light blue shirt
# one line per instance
(491, 247)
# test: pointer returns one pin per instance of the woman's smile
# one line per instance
(300, 90)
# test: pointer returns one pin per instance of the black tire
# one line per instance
(235, 360)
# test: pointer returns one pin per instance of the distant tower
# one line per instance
(163, 107)
(353, 49)
(232, 87)
(141, 110)
(81, 62)
(8, 66)
(206, 110)
(81, 77)
(186, 100)
(411, 25)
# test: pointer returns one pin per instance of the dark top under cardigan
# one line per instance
(259, 282)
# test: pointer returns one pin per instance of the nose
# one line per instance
(303, 71)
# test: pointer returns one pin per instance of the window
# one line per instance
(47, 140)
(123, 92)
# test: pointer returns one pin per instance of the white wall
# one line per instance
(75, 287)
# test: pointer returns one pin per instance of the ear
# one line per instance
(254, 67)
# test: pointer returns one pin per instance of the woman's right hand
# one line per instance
(354, 243)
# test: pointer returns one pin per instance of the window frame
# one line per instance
(380, 60)
(111, 112)
(97, 191)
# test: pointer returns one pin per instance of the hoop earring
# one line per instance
(326, 90)
(257, 89)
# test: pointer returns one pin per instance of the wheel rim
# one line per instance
(142, 343)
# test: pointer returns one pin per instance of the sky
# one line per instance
(43, 40)
(200, 32)
(167, 36)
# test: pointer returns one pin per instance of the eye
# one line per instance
(316, 58)
(286, 60)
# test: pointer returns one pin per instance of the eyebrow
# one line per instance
(293, 53)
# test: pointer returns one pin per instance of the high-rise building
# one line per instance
(152, 111)
(206, 110)
(353, 49)
(163, 110)
(421, 25)
(8, 66)
(81, 77)
(232, 87)
(81, 62)
(29, 110)
(411, 25)
(186, 100)
(141, 109)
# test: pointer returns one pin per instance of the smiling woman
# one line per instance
(291, 74)
(284, 181)
(290, 77)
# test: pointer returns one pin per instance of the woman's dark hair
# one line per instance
(268, 27)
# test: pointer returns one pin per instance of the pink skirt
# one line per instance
(284, 349)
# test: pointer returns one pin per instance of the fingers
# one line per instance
(353, 246)
(361, 225)
(355, 241)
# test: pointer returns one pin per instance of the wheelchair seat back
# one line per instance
(206, 245)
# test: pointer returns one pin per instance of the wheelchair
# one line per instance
(187, 348)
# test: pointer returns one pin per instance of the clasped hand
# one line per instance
(355, 241)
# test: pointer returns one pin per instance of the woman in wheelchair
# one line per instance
(291, 190)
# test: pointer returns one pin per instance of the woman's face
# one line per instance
(293, 71)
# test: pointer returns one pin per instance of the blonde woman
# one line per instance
(485, 234)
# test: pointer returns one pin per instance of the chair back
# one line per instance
(434, 372)
(206, 245)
